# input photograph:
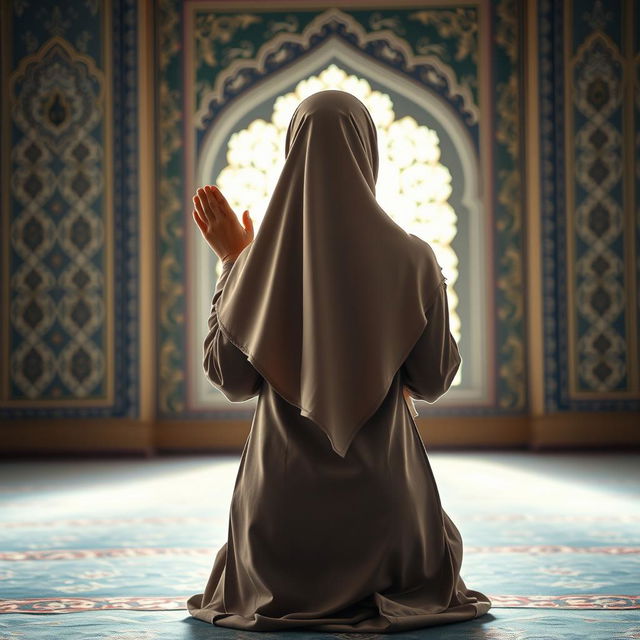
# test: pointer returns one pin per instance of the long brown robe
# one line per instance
(328, 299)
(315, 540)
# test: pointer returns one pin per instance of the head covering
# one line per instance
(330, 297)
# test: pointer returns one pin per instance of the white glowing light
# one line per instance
(413, 186)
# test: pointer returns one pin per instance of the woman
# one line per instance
(330, 315)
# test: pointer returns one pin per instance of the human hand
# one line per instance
(219, 224)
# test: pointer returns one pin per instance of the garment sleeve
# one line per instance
(433, 362)
(225, 365)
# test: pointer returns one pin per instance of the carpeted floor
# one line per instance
(111, 549)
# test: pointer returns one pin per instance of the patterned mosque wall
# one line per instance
(590, 171)
(69, 210)
(70, 246)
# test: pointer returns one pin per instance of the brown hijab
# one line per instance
(330, 297)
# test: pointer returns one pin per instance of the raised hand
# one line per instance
(219, 224)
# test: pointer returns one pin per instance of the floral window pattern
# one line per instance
(413, 186)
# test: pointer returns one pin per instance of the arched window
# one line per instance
(427, 183)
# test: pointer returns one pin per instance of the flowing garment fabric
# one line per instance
(329, 298)
(359, 543)
(330, 316)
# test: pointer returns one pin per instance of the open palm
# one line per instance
(219, 224)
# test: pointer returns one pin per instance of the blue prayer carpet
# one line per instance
(110, 549)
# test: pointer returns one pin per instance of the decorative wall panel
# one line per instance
(69, 210)
(589, 112)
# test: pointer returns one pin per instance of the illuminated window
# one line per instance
(413, 186)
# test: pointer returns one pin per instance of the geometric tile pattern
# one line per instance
(58, 289)
(589, 160)
(600, 333)
(69, 272)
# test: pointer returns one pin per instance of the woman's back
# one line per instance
(353, 543)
